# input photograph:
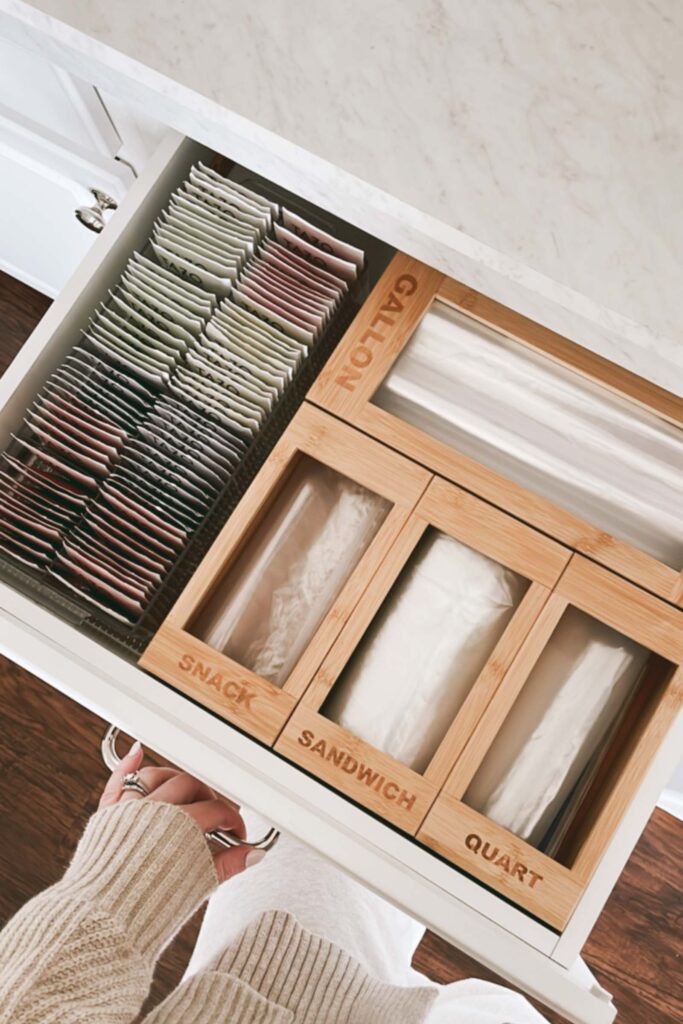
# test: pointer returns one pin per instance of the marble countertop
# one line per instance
(532, 149)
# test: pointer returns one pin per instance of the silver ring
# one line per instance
(132, 781)
(224, 838)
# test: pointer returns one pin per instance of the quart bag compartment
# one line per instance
(557, 755)
(567, 441)
(403, 687)
(273, 592)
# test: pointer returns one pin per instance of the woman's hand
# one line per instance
(209, 811)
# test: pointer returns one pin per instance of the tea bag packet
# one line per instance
(105, 595)
(194, 299)
(107, 383)
(70, 409)
(95, 459)
(271, 365)
(146, 329)
(289, 286)
(190, 269)
(40, 498)
(245, 204)
(212, 242)
(186, 419)
(218, 345)
(113, 574)
(132, 482)
(268, 207)
(123, 359)
(290, 312)
(45, 482)
(68, 444)
(213, 225)
(230, 409)
(119, 561)
(107, 376)
(288, 262)
(67, 384)
(21, 496)
(315, 236)
(189, 217)
(282, 324)
(165, 306)
(234, 374)
(346, 270)
(253, 330)
(192, 207)
(118, 555)
(23, 549)
(165, 317)
(180, 241)
(124, 353)
(33, 539)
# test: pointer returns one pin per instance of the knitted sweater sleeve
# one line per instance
(84, 950)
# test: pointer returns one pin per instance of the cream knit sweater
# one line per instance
(85, 949)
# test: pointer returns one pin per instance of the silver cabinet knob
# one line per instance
(92, 217)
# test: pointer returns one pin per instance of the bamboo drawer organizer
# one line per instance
(351, 387)
(241, 696)
(411, 489)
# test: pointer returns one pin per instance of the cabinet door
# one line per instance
(57, 142)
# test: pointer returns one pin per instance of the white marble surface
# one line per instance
(533, 149)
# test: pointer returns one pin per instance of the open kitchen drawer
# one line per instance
(57, 644)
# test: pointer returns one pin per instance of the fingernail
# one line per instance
(135, 749)
(254, 857)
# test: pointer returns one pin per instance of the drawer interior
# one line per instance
(398, 637)
(465, 678)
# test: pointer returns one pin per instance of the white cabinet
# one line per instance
(58, 141)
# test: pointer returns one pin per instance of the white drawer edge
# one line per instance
(621, 846)
(378, 857)
(197, 740)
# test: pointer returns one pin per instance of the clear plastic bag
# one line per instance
(544, 426)
(578, 688)
(273, 598)
(425, 648)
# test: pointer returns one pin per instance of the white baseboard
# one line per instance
(671, 800)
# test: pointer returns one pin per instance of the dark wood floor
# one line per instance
(51, 775)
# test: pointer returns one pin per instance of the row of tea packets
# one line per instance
(133, 437)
